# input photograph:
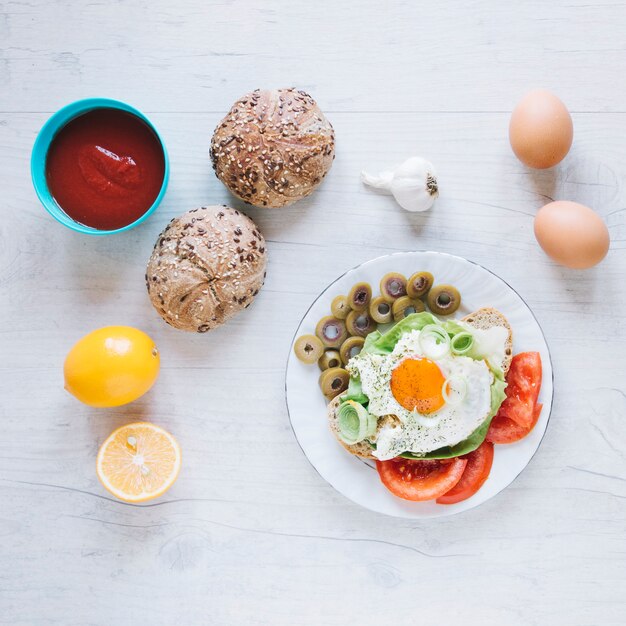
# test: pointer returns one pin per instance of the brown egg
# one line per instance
(572, 234)
(540, 130)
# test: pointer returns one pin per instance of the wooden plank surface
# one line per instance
(250, 534)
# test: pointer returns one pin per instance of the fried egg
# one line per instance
(410, 386)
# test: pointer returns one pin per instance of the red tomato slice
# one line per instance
(505, 430)
(475, 474)
(524, 383)
(420, 480)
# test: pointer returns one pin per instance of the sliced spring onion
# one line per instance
(462, 343)
(454, 390)
(355, 422)
(434, 341)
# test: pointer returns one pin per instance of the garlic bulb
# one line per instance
(413, 183)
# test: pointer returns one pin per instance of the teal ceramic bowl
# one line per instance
(40, 152)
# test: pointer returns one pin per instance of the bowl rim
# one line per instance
(51, 127)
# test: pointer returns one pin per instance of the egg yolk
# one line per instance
(417, 385)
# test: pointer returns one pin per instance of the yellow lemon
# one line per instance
(111, 366)
(138, 462)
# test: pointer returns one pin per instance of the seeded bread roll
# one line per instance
(207, 265)
(273, 148)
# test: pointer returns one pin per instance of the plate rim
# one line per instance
(450, 513)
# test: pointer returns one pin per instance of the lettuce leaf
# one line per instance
(384, 344)
(370, 339)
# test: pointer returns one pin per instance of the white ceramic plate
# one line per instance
(357, 479)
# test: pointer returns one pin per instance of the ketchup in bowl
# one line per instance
(105, 168)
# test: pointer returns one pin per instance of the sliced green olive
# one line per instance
(405, 306)
(380, 310)
(360, 296)
(333, 381)
(350, 347)
(340, 308)
(308, 348)
(444, 299)
(392, 286)
(330, 358)
(331, 331)
(419, 284)
(360, 323)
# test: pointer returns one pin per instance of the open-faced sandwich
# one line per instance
(427, 398)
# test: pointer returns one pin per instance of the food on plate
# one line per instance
(308, 348)
(420, 480)
(422, 397)
(331, 331)
(357, 315)
(362, 448)
(360, 323)
(380, 310)
(105, 168)
(207, 266)
(572, 234)
(330, 358)
(333, 381)
(392, 286)
(419, 284)
(541, 130)
(405, 306)
(444, 299)
(273, 148)
(474, 475)
(138, 462)
(339, 307)
(444, 402)
(504, 430)
(351, 347)
(360, 296)
(428, 396)
(111, 366)
(520, 411)
(413, 183)
(524, 383)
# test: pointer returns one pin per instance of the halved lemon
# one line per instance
(138, 462)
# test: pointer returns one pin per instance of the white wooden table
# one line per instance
(250, 534)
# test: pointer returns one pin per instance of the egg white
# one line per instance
(420, 433)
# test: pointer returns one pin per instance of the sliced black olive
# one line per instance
(333, 381)
(444, 299)
(360, 323)
(340, 308)
(405, 306)
(331, 331)
(360, 296)
(419, 284)
(392, 286)
(380, 310)
(330, 358)
(308, 348)
(350, 347)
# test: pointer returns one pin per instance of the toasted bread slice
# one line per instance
(363, 448)
(488, 317)
(482, 318)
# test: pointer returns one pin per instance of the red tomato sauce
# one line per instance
(105, 168)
